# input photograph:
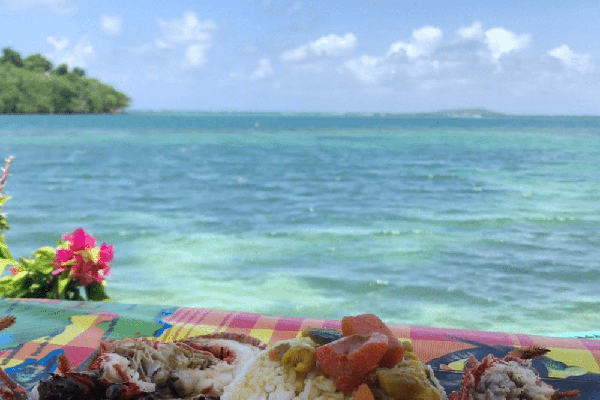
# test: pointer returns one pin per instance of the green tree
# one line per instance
(37, 63)
(63, 93)
(62, 69)
(12, 57)
(9, 90)
(30, 89)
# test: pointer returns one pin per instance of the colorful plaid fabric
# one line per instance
(45, 329)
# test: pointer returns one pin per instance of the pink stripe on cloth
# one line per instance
(443, 334)
(244, 320)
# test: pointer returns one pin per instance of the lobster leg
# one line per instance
(17, 392)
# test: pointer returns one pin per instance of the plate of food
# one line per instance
(362, 360)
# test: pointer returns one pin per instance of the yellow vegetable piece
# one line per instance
(301, 359)
(409, 382)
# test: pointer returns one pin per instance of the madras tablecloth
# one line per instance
(45, 329)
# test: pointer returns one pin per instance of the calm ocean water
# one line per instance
(487, 224)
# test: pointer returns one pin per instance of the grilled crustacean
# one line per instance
(196, 368)
(14, 391)
(510, 377)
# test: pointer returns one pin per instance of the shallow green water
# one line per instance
(485, 224)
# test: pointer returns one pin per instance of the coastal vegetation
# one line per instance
(32, 85)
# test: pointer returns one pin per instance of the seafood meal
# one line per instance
(362, 361)
(511, 377)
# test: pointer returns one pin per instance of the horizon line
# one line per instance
(437, 113)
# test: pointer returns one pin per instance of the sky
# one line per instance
(325, 55)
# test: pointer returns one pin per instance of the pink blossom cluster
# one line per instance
(85, 262)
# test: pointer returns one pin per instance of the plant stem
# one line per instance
(5, 173)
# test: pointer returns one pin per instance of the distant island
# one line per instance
(33, 86)
(453, 113)
(463, 113)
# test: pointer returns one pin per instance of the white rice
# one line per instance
(264, 379)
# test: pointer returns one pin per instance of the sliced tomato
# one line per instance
(367, 323)
(363, 393)
(350, 359)
(348, 383)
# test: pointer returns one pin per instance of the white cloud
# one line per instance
(80, 54)
(191, 33)
(111, 24)
(55, 6)
(332, 44)
(327, 46)
(497, 42)
(77, 56)
(501, 41)
(194, 55)
(161, 44)
(422, 43)
(189, 29)
(295, 55)
(371, 70)
(579, 62)
(425, 62)
(411, 59)
(263, 70)
(450, 83)
(473, 32)
(59, 45)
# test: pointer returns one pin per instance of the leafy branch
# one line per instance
(55, 273)
(5, 170)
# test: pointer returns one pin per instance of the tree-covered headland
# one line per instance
(32, 85)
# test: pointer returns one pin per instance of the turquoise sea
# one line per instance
(490, 223)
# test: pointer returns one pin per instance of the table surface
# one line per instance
(45, 329)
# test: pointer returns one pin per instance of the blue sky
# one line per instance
(329, 56)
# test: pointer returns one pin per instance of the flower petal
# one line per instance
(81, 240)
(107, 252)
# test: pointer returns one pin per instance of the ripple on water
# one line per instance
(460, 225)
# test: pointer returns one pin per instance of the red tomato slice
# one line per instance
(367, 323)
(363, 393)
(348, 383)
(350, 359)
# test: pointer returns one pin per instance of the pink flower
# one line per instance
(85, 262)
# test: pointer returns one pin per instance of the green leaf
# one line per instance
(43, 260)
(95, 292)
(46, 252)
(6, 285)
(27, 263)
(3, 224)
(20, 276)
(6, 262)
(62, 285)
(46, 269)
(6, 281)
(73, 291)
(3, 199)
(11, 286)
(4, 253)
